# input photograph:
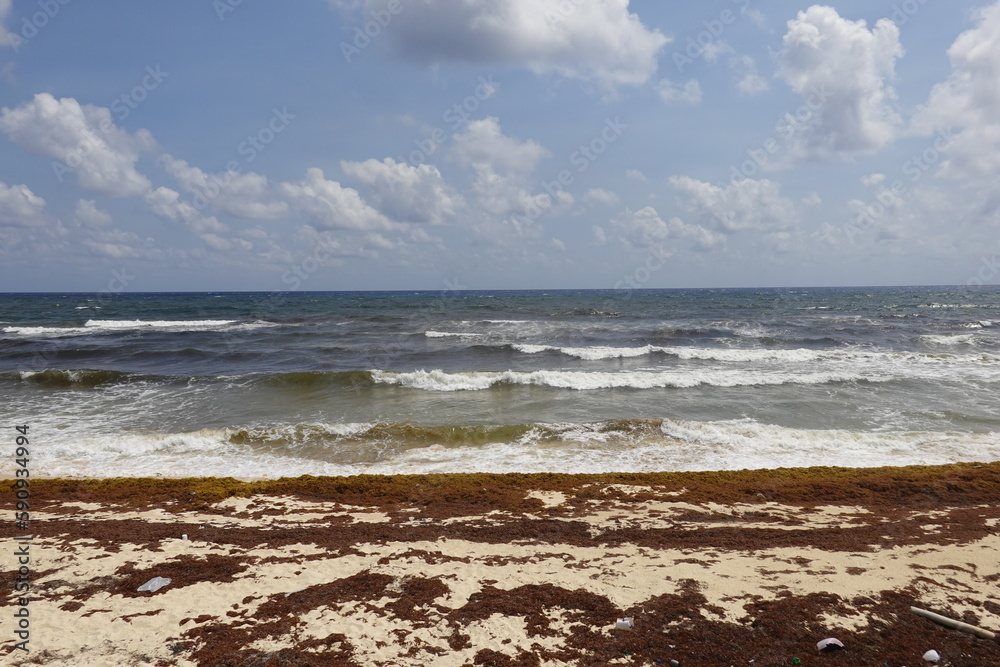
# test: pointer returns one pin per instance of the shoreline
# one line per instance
(716, 568)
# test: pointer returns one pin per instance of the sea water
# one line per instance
(257, 385)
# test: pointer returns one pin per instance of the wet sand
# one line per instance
(728, 568)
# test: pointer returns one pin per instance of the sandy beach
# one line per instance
(747, 568)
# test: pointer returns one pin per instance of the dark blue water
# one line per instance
(340, 383)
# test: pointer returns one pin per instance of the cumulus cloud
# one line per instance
(168, 204)
(331, 205)
(847, 68)
(746, 205)
(501, 165)
(599, 41)
(871, 180)
(406, 193)
(751, 82)
(646, 229)
(20, 207)
(600, 196)
(245, 195)
(969, 101)
(482, 142)
(88, 215)
(671, 93)
(83, 139)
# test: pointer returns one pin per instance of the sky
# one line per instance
(497, 144)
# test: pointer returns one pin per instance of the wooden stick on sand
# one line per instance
(951, 623)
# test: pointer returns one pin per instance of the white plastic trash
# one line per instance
(154, 584)
(932, 656)
(624, 623)
(828, 645)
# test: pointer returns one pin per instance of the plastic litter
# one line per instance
(154, 584)
(932, 656)
(624, 623)
(829, 645)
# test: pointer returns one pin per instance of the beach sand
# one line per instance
(727, 568)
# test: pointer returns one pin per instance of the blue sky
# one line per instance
(487, 144)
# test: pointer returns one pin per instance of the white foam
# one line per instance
(958, 339)
(46, 332)
(105, 326)
(573, 448)
(157, 324)
(533, 349)
(438, 380)
(899, 363)
(451, 334)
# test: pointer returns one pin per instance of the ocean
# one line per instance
(264, 385)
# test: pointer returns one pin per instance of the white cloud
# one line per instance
(168, 204)
(501, 165)
(752, 82)
(83, 139)
(406, 193)
(88, 215)
(646, 229)
(599, 41)
(812, 199)
(871, 180)
(20, 207)
(482, 142)
(671, 93)
(120, 244)
(969, 100)
(843, 69)
(716, 49)
(600, 196)
(331, 205)
(636, 175)
(746, 205)
(245, 195)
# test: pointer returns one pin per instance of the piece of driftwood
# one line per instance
(952, 623)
